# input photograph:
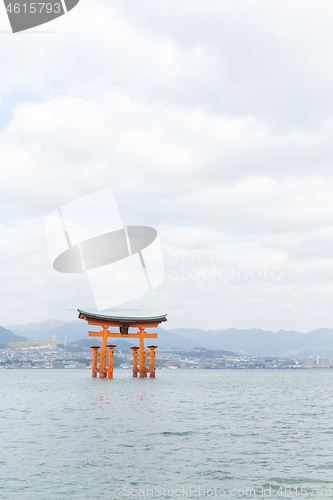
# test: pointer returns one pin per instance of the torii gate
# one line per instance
(124, 323)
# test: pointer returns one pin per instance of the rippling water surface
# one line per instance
(64, 435)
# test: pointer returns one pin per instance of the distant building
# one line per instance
(74, 366)
(323, 362)
(307, 362)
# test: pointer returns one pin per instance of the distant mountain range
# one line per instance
(41, 325)
(53, 330)
(78, 330)
(254, 342)
(8, 336)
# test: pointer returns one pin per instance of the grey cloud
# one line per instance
(212, 121)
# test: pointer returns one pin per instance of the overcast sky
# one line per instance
(212, 121)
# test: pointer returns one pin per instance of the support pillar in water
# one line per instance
(135, 361)
(152, 359)
(102, 361)
(142, 354)
(110, 353)
(94, 361)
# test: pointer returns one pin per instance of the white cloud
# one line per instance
(211, 121)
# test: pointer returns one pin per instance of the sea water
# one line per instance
(184, 434)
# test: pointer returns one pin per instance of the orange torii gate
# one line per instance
(124, 323)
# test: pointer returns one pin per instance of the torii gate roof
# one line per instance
(121, 320)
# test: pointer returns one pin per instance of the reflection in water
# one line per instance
(141, 399)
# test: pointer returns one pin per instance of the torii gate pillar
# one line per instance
(152, 360)
(94, 361)
(135, 361)
(142, 354)
(110, 367)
